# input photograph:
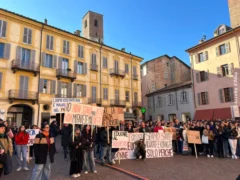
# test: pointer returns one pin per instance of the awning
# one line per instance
(204, 114)
(129, 116)
(222, 113)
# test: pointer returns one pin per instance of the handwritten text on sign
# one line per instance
(119, 139)
(83, 114)
(194, 137)
(32, 134)
(60, 105)
(113, 116)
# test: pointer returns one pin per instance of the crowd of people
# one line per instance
(82, 144)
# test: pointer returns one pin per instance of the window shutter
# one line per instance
(217, 51)
(227, 47)
(198, 77)
(25, 33)
(1, 24)
(84, 68)
(167, 100)
(186, 97)
(51, 42)
(59, 88)
(75, 90)
(173, 99)
(21, 83)
(84, 88)
(41, 85)
(107, 93)
(206, 96)
(231, 68)
(7, 48)
(47, 44)
(60, 59)
(53, 87)
(221, 95)
(43, 59)
(64, 46)
(54, 61)
(75, 66)
(199, 98)
(1, 80)
(19, 53)
(29, 36)
(69, 89)
(206, 75)
(206, 55)
(4, 29)
(196, 58)
(68, 44)
(219, 71)
(181, 97)
(106, 63)
(231, 93)
(33, 54)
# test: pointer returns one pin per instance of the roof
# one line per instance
(165, 55)
(171, 87)
(91, 12)
(213, 39)
(69, 33)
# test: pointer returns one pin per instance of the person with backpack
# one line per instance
(233, 140)
(44, 150)
(21, 140)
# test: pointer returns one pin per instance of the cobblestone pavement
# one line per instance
(176, 168)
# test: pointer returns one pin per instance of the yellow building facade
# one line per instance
(39, 62)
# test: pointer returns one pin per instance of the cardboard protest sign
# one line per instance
(119, 139)
(59, 105)
(193, 137)
(32, 134)
(173, 131)
(83, 114)
(112, 116)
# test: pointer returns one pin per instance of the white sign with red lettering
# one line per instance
(119, 139)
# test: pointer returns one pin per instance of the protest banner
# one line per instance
(193, 137)
(112, 116)
(83, 114)
(173, 131)
(32, 134)
(119, 139)
(59, 105)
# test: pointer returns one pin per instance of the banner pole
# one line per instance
(195, 150)
(73, 132)
(61, 120)
(119, 158)
(108, 134)
(28, 154)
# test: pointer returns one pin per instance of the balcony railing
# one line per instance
(63, 96)
(117, 72)
(137, 104)
(22, 95)
(94, 67)
(116, 102)
(29, 66)
(135, 77)
(94, 101)
(65, 73)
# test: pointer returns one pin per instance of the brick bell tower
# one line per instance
(234, 11)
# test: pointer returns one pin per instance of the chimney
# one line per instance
(45, 21)
(77, 32)
(201, 41)
(123, 49)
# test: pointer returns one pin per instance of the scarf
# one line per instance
(1, 135)
(45, 133)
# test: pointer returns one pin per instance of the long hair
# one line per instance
(19, 129)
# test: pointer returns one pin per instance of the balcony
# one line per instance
(63, 96)
(93, 67)
(135, 77)
(22, 95)
(29, 66)
(94, 101)
(116, 102)
(66, 73)
(117, 72)
(137, 104)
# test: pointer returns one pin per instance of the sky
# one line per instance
(146, 28)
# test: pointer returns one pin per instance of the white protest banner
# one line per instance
(32, 134)
(83, 114)
(119, 139)
(59, 105)
(2, 112)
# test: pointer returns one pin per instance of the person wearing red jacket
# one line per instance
(21, 140)
(158, 127)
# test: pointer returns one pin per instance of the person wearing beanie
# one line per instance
(44, 150)
(21, 140)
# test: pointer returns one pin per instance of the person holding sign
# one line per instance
(21, 140)
(209, 147)
(105, 146)
(75, 154)
(140, 149)
(88, 147)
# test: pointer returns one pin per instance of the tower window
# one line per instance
(85, 23)
(96, 23)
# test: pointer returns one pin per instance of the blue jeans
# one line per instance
(88, 161)
(21, 152)
(42, 171)
(105, 151)
(225, 148)
(180, 147)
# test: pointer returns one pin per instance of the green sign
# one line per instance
(143, 109)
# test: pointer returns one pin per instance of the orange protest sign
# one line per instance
(194, 137)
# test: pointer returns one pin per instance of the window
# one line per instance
(80, 51)
(149, 103)
(3, 28)
(94, 94)
(170, 99)
(49, 44)
(200, 57)
(79, 67)
(85, 24)
(126, 68)
(225, 70)
(117, 95)
(134, 70)
(105, 93)
(105, 62)
(26, 56)
(222, 49)
(127, 96)
(65, 47)
(96, 23)
(221, 30)
(94, 59)
(1, 75)
(159, 101)
(203, 98)
(49, 61)
(226, 95)
(166, 75)
(79, 90)
(47, 86)
(2, 50)
(167, 64)
(184, 97)
(27, 36)
(203, 76)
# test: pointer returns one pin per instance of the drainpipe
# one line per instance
(238, 51)
(193, 84)
(40, 62)
(131, 81)
(101, 74)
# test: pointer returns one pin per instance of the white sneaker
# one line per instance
(236, 157)
(26, 169)
(78, 175)
(86, 172)
(208, 156)
(74, 176)
(19, 169)
(113, 161)
(95, 171)
(233, 157)
(212, 156)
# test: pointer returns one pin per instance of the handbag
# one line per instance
(204, 139)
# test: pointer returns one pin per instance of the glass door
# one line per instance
(65, 66)
(25, 59)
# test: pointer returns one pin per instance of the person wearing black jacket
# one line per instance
(129, 128)
(76, 155)
(88, 137)
(218, 132)
(105, 146)
(143, 128)
(226, 133)
(66, 131)
(44, 150)
(14, 129)
(54, 130)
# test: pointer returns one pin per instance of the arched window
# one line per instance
(96, 23)
(85, 23)
(184, 97)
